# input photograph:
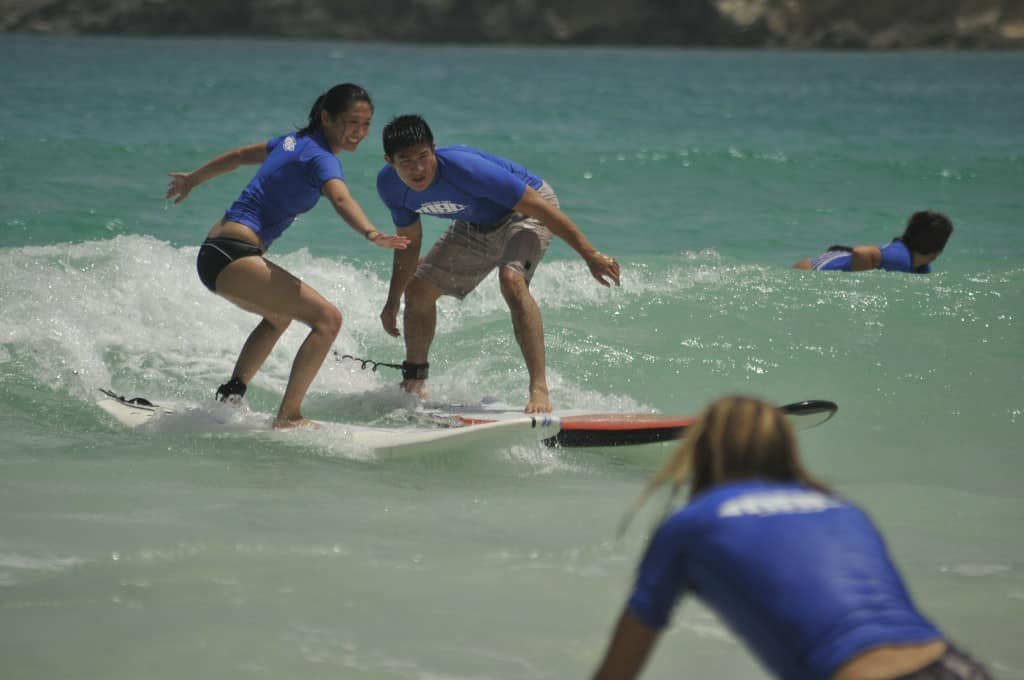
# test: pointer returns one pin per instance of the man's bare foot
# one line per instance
(292, 422)
(417, 387)
(538, 403)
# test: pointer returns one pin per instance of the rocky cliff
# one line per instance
(855, 24)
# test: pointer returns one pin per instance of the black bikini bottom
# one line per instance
(955, 664)
(217, 253)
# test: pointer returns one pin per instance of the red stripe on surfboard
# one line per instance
(622, 422)
(610, 422)
(473, 421)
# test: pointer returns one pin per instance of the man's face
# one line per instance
(416, 166)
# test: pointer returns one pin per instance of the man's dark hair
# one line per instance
(927, 232)
(404, 132)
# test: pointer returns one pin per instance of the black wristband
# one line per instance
(414, 371)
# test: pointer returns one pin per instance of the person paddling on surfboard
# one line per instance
(295, 170)
(799, 574)
(503, 217)
(921, 243)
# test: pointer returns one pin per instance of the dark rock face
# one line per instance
(863, 24)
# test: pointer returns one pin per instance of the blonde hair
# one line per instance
(734, 438)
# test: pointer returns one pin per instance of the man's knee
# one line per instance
(514, 286)
(420, 293)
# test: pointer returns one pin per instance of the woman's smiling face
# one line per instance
(347, 129)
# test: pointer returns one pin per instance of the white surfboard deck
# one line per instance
(487, 409)
(169, 417)
(581, 427)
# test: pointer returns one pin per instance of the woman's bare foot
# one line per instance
(292, 422)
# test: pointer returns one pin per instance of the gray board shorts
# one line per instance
(466, 253)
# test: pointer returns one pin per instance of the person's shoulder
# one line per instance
(896, 256)
(451, 156)
(389, 185)
(279, 141)
(464, 164)
(707, 503)
(462, 156)
(456, 151)
(696, 518)
(314, 143)
(458, 164)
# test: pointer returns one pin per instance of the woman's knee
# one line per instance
(329, 321)
(276, 323)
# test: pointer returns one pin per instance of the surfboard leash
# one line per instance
(363, 363)
(409, 371)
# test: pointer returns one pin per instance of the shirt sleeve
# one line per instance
(274, 142)
(390, 197)
(326, 167)
(896, 258)
(661, 578)
(485, 179)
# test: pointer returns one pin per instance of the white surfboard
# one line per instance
(169, 417)
(503, 434)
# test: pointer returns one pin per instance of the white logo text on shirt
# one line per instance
(441, 208)
(776, 503)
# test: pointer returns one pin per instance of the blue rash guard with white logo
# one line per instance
(896, 257)
(803, 578)
(287, 184)
(470, 185)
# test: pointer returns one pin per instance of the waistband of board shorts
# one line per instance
(494, 226)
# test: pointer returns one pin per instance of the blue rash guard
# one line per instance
(896, 257)
(470, 185)
(803, 578)
(287, 184)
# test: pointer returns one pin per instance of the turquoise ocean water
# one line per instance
(169, 554)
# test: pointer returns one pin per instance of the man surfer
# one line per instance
(503, 217)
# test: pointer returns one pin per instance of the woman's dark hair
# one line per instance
(927, 232)
(338, 99)
(404, 132)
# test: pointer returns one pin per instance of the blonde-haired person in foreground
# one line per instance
(801, 576)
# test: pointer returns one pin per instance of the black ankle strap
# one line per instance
(414, 371)
(231, 388)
